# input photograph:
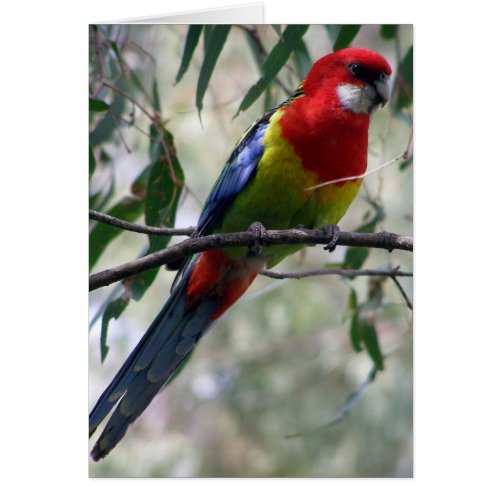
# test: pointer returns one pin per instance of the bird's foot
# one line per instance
(258, 231)
(333, 231)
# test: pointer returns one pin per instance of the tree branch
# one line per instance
(191, 246)
(139, 228)
(346, 273)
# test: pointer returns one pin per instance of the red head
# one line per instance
(358, 78)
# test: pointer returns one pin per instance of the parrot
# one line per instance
(319, 134)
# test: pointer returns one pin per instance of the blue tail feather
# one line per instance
(167, 342)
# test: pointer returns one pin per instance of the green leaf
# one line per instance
(164, 187)
(116, 50)
(215, 44)
(362, 330)
(101, 235)
(207, 29)
(97, 105)
(354, 329)
(405, 74)
(388, 31)
(91, 162)
(355, 333)
(302, 60)
(192, 38)
(156, 97)
(113, 311)
(405, 164)
(106, 127)
(139, 187)
(346, 35)
(370, 340)
(353, 300)
(292, 36)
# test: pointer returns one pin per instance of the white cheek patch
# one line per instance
(360, 99)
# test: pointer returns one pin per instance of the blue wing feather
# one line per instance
(239, 169)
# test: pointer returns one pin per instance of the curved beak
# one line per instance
(383, 91)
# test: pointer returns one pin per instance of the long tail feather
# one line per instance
(145, 349)
(163, 348)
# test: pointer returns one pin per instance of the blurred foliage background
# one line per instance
(269, 391)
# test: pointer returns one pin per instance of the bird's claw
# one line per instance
(258, 231)
(333, 231)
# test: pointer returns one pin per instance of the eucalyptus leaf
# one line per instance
(214, 45)
(346, 35)
(405, 73)
(369, 337)
(97, 105)
(388, 31)
(165, 180)
(355, 333)
(107, 125)
(192, 38)
(91, 162)
(354, 329)
(207, 29)
(277, 58)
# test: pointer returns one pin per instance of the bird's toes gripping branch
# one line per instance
(258, 231)
(333, 231)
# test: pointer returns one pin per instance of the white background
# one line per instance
(44, 132)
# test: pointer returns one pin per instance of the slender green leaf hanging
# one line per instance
(215, 44)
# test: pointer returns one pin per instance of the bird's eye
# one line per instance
(383, 77)
(355, 69)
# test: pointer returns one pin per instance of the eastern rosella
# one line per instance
(319, 134)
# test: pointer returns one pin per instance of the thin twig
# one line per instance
(345, 409)
(131, 99)
(191, 246)
(139, 228)
(402, 156)
(403, 293)
(351, 399)
(346, 273)
(135, 45)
